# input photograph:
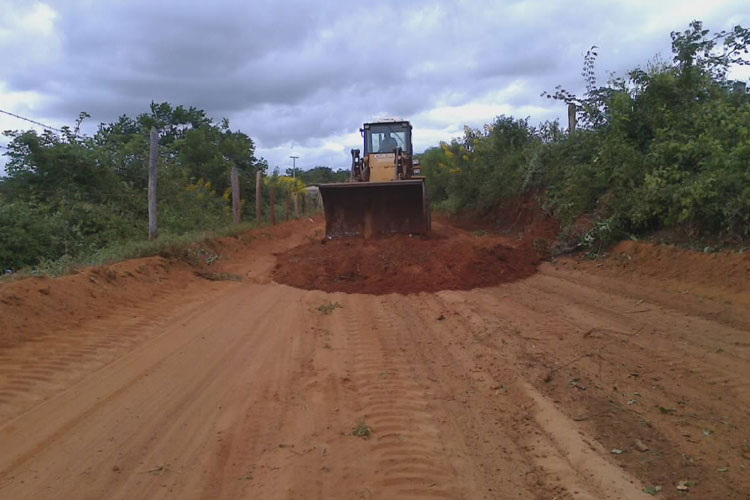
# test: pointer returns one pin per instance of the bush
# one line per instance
(69, 196)
(663, 147)
(29, 235)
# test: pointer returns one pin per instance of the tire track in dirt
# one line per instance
(653, 384)
(598, 316)
(594, 314)
(557, 461)
(410, 457)
(713, 303)
(31, 372)
(205, 406)
(613, 307)
(159, 415)
(263, 440)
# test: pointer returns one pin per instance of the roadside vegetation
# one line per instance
(321, 175)
(69, 199)
(665, 147)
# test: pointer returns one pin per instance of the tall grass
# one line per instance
(166, 245)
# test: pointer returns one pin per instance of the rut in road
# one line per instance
(411, 458)
(31, 372)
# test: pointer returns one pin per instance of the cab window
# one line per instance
(385, 138)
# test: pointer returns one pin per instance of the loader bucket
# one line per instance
(370, 209)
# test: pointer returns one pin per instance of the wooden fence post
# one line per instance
(286, 209)
(236, 206)
(304, 203)
(296, 205)
(153, 157)
(273, 205)
(571, 118)
(258, 195)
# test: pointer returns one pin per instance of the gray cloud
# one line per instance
(297, 74)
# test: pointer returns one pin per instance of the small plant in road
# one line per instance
(328, 308)
(362, 430)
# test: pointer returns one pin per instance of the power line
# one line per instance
(30, 120)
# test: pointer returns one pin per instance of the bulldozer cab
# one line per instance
(387, 152)
(387, 137)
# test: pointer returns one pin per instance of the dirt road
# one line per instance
(574, 383)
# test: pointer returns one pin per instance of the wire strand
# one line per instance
(30, 120)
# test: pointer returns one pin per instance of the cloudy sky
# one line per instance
(300, 77)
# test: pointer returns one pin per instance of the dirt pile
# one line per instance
(447, 259)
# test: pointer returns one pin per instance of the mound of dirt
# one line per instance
(448, 259)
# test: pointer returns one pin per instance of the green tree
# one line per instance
(94, 188)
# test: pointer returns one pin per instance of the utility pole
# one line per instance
(153, 158)
(294, 166)
(258, 195)
(294, 176)
(572, 121)
(236, 206)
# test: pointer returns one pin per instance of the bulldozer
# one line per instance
(385, 193)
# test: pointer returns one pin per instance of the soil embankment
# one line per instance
(35, 306)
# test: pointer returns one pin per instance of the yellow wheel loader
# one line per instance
(385, 193)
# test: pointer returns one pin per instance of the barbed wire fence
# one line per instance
(30, 120)
(236, 204)
(47, 127)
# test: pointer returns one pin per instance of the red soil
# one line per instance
(515, 215)
(726, 270)
(35, 306)
(447, 259)
(527, 387)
